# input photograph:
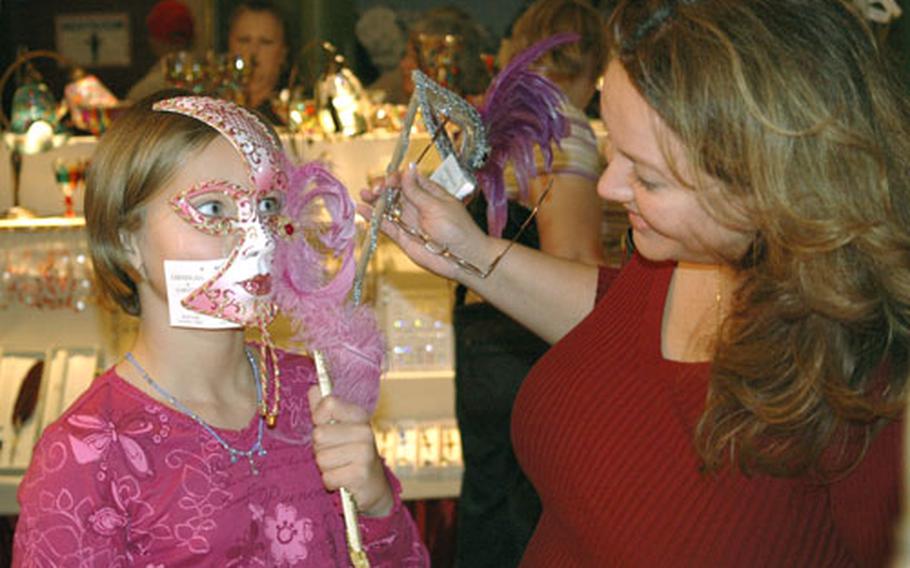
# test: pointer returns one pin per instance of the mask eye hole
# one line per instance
(212, 208)
(270, 206)
(214, 205)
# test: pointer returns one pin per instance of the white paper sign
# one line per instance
(184, 276)
(450, 176)
(94, 39)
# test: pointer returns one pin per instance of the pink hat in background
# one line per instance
(170, 20)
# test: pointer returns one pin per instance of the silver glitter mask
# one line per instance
(434, 101)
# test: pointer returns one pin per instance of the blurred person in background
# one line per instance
(398, 44)
(498, 508)
(471, 76)
(170, 29)
(258, 33)
(383, 36)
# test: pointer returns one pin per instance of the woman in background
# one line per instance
(498, 508)
(170, 30)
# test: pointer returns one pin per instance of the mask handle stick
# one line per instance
(383, 202)
(355, 546)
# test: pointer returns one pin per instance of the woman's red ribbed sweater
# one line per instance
(603, 426)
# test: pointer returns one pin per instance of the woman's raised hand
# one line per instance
(426, 222)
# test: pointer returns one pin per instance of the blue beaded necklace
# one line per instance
(255, 449)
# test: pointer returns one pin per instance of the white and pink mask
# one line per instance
(238, 287)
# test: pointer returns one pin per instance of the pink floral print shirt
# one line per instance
(122, 480)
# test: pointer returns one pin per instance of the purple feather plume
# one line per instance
(315, 301)
(521, 110)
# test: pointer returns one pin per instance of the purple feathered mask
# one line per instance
(520, 110)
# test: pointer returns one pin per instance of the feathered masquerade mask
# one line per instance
(284, 247)
(520, 111)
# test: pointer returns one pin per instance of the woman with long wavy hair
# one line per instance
(731, 396)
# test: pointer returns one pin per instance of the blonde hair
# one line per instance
(133, 160)
(790, 105)
(585, 58)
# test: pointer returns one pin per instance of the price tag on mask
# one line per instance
(450, 176)
(182, 277)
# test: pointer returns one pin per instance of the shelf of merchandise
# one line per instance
(42, 223)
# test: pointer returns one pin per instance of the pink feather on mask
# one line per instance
(315, 301)
(521, 111)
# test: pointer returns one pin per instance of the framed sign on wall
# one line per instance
(98, 39)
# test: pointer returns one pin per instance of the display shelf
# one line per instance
(42, 223)
(420, 375)
(415, 489)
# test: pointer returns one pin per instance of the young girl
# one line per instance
(181, 452)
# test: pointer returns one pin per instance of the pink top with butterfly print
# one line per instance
(122, 480)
